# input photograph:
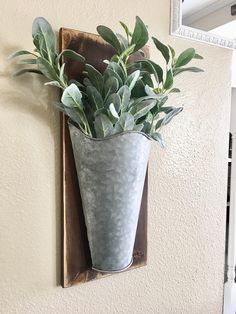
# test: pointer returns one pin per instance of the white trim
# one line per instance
(177, 29)
(189, 19)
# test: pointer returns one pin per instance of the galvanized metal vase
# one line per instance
(111, 174)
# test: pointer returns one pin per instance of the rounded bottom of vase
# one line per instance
(113, 271)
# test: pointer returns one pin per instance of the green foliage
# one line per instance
(110, 37)
(140, 35)
(130, 95)
(46, 59)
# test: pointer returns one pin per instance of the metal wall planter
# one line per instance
(111, 174)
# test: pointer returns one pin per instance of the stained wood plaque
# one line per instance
(76, 260)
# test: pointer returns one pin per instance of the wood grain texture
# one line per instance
(76, 260)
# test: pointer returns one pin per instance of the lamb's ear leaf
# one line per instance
(169, 80)
(113, 112)
(109, 36)
(117, 68)
(103, 126)
(111, 86)
(197, 56)
(62, 75)
(72, 97)
(142, 108)
(126, 29)
(125, 94)
(132, 79)
(185, 57)
(125, 123)
(71, 54)
(47, 69)
(44, 38)
(95, 77)
(110, 72)
(162, 48)
(128, 51)
(138, 127)
(171, 115)
(157, 137)
(152, 68)
(172, 52)
(75, 115)
(115, 100)
(140, 34)
(94, 97)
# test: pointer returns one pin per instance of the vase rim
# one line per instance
(110, 136)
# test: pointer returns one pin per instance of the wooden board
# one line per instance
(76, 260)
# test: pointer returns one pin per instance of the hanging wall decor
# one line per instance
(113, 103)
(77, 265)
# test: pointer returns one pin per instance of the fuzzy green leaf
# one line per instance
(47, 69)
(111, 86)
(118, 69)
(71, 54)
(142, 108)
(162, 48)
(168, 117)
(152, 68)
(113, 111)
(157, 137)
(75, 115)
(94, 97)
(46, 40)
(185, 57)
(111, 73)
(169, 80)
(62, 76)
(124, 93)
(103, 126)
(197, 56)
(115, 100)
(172, 52)
(140, 34)
(171, 115)
(95, 77)
(123, 41)
(127, 52)
(132, 79)
(72, 97)
(138, 127)
(109, 36)
(125, 123)
(126, 29)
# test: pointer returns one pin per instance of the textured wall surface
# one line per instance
(187, 189)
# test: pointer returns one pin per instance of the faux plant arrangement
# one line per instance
(113, 115)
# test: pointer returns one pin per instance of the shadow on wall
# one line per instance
(27, 94)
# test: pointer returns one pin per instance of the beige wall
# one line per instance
(187, 185)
